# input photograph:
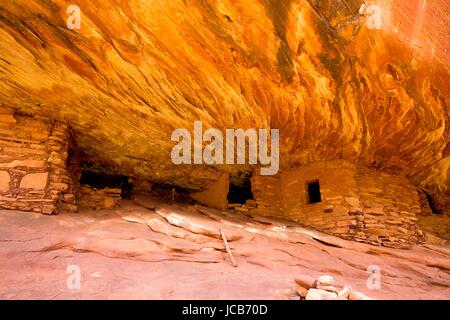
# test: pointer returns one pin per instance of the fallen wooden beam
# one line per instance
(227, 247)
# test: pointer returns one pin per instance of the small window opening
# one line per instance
(314, 195)
(239, 194)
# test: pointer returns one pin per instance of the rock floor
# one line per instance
(149, 250)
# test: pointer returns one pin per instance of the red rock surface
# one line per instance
(175, 252)
(424, 25)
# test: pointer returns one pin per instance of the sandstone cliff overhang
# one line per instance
(136, 70)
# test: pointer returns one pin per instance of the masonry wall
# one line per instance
(390, 205)
(357, 203)
(266, 193)
(336, 213)
(97, 199)
(33, 155)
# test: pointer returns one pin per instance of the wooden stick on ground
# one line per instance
(228, 248)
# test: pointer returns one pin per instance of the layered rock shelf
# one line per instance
(159, 253)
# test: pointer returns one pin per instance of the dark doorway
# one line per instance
(314, 195)
(431, 204)
(239, 194)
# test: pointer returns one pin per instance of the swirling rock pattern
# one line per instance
(138, 69)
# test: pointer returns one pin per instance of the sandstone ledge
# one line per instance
(137, 253)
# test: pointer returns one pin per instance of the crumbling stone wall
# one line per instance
(425, 209)
(435, 221)
(390, 205)
(61, 186)
(357, 203)
(97, 199)
(33, 155)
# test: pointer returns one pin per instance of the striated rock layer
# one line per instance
(176, 252)
(136, 70)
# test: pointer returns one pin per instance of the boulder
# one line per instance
(317, 294)
(325, 281)
(305, 281)
(301, 291)
(345, 292)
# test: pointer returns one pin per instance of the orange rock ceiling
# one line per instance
(136, 70)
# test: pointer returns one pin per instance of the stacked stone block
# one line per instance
(33, 155)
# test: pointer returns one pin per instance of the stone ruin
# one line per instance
(346, 200)
(33, 164)
(39, 173)
(36, 172)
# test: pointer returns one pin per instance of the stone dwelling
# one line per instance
(36, 172)
(336, 197)
(345, 200)
(33, 164)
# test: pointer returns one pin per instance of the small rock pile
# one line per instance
(323, 289)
